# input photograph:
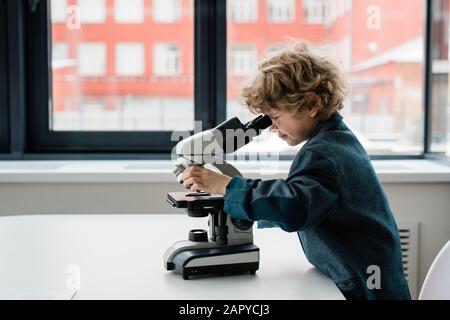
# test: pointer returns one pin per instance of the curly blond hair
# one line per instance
(294, 80)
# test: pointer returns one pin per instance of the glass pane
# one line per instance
(122, 65)
(440, 92)
(377, 43)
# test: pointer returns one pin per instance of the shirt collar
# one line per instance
(334, 119)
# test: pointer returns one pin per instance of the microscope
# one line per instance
(228, 246)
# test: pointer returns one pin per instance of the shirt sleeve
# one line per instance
(301, 201)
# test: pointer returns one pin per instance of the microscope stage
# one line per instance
(194, 200)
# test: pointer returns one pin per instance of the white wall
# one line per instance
(429, 204)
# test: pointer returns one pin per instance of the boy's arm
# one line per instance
(299, 202)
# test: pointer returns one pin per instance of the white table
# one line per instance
(120, 257)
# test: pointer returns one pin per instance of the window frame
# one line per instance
(16, 89)
(430, 133)
(428, 63)
(4, 113)
(207, 88)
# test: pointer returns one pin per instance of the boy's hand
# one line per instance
(199, 178)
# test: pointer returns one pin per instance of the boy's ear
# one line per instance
(313, 112)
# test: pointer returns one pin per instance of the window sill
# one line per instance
(154, 171)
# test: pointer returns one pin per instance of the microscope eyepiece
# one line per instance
(232, 134)
(259, 123)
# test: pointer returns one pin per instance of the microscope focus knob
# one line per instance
(243, 225)
(198, 235)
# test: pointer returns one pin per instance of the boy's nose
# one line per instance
(273, 127)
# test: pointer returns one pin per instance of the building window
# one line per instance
(243, 60)
(166, 59)
(337, 9)
(130, 59)
(314, 11)
(60, 51)
(58, 11)
(92, 11)
(280, 11)
(91, 59)
(166, 11)
(60, 56)
(129, 11)
(244, 11)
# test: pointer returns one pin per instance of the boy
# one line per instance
(331, 197)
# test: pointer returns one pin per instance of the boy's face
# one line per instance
(294, 128)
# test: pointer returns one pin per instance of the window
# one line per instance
(129, 11)
(383, 66)
(166, 11)
(58, 11)
(280, 11)
(92, 11)
(130, 59)
(166, 59)
(315, 11)
(243, 60)
(103, 85)
(107, 92)
(440, 90)
(95, 103)
(244, 11)
(91, 59)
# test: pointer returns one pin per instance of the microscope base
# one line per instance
(219, 260)
(221, 269)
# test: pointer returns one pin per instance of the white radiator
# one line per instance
(409, 237)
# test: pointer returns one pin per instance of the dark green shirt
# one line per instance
(333, 199)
